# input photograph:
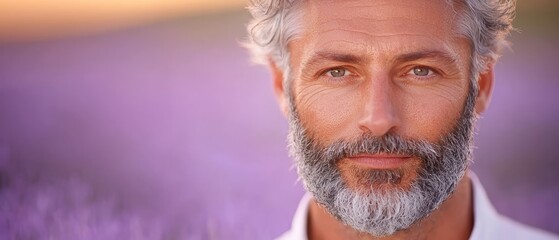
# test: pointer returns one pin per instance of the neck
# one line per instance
(452, 220)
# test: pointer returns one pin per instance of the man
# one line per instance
(382, 97)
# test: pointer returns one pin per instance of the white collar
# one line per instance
(485, 214)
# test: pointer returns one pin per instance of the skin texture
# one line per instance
(356, 68)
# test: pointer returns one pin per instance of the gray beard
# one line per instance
(383, 211)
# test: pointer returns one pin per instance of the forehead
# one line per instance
(393, 13)
(378, 27)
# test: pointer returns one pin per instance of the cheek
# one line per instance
(327, 112)
(431, 114)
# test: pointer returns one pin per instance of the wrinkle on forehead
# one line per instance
(378, 18)
(340, 24)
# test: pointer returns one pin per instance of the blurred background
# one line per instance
(144, 119)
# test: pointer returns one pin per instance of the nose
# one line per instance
(379, 113)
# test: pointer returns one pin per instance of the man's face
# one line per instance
(378, 67)
(378, 110)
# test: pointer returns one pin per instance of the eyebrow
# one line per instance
(407, 57)
(336, 57)
(434, 54)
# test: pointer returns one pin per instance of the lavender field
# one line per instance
(166, 131)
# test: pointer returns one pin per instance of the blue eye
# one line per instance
(337, 73)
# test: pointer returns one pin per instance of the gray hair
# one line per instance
(486, 23)
(273, 25)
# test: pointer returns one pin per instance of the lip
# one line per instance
(381, 160)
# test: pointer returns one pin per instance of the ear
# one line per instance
(277, 75)
(485, 83)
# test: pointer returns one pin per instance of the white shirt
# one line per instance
(488, 224)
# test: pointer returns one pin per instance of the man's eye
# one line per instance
(338, 72)
(421, 71)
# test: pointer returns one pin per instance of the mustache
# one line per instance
(389, 143)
